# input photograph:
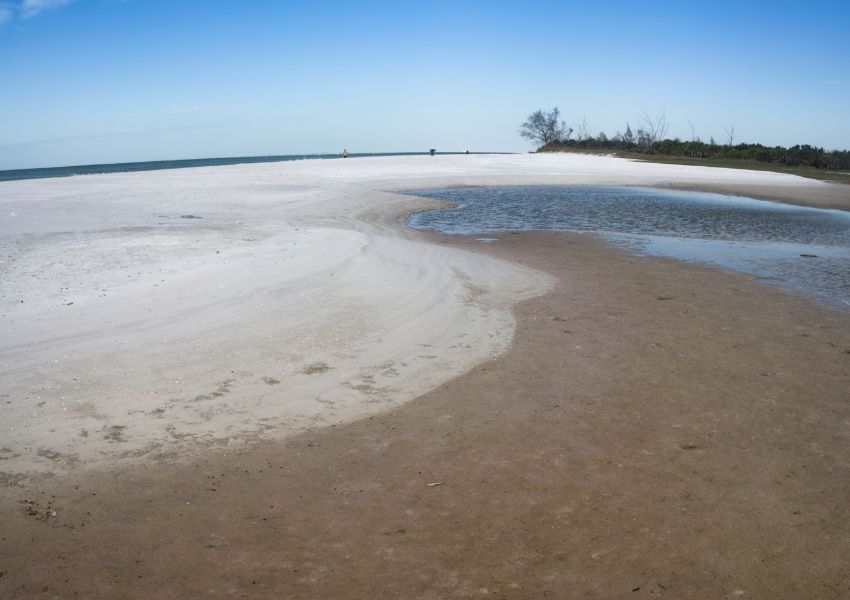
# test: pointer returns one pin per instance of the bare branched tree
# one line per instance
(582, 130)
(629, 137)
(693, 130)
(730, 135)
(545, 127)
(654, 129)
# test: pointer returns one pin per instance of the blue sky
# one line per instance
(90, 81)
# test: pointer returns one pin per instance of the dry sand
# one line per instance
(653, 425)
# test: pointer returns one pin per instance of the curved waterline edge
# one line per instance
(631, 242)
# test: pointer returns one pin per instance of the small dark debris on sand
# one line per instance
(115, 433)
(38, 510)
(316, 367)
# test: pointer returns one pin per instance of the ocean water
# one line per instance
(804, 248)
(155, 165)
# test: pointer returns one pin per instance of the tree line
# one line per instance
(551, 133)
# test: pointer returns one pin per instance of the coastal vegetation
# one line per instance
(648, 142)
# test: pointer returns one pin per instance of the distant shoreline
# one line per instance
(185, 163)
(723, 163)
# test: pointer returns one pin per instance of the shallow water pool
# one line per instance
(805, 248)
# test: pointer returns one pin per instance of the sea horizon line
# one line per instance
(182, 163)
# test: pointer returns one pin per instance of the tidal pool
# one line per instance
(805, 248)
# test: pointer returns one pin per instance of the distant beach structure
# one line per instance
(345, 152)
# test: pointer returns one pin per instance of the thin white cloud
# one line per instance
(5, 14)
(30, 8)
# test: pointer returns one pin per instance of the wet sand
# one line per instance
(832, 195)
(656, 429)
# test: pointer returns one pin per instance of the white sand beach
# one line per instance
(145, 315)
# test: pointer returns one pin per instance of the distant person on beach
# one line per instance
(467, 151)
(345, 152)
(432, 151)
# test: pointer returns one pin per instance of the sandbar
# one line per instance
(543, 416)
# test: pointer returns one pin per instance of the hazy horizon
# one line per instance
(103, 81)
(248, 159)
